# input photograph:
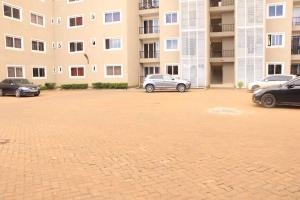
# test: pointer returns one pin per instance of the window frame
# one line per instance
(113, 76)
(283, 4)
(77, 66)
(172, 64)
(13, 48)
(275, 63)
(168, 13)
(13, 65)
(40, 67)
(37, 51)
(12, 6)
(37, 14)
(75, 52)
(276, 34)
(111, 12)
(113, 49)
(166, 42)
(75, 16)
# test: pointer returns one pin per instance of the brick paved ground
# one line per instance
(132, 145)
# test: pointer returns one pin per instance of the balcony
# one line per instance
(149, 7)
(149, 32)
(219, 6)
(149, 56)
(221, 56)
(296, 23)
(222, 30)
(296, 53)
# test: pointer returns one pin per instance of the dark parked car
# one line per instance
(18, 87)
(286, 94)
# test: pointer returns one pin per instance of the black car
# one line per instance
(286, 94)
(18, 88)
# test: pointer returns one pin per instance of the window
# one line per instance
(38, 72)
(171, 18)
(37, 19)
(12, 12)
(151, 70)
(15, 72)
(112, 17)
(157, 77)
(172, 69)
(113, 43)
(76, 21)
(296, 83)
(172, 44)
(276, 10)
(38, 46)
(14, 42)
(76, 47)
(77, 72)
(113, 71)
(275, 68)
(295, 69)
(276, 40)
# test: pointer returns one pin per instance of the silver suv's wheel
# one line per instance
(18, 93)
(181, 88)
(268, 101)
(149, 88)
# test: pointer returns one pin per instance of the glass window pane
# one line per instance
(11, 72)
(72, 47)
(278, 69)
(79, 46)
(175, 70)
(7, 11)
(18, 43)
(174, 17)
(41, 46)
(19, 72)
(108, 17)
(168, 18)
(79, 21)
(117, 71)
(116, 17)
(109, 71)
(279, 10)
(72, 22)
(42, 72)
(16, 13)
(271, 69)
(80, 71)
(73, 71)
(9, 42)
(35, 72)
(272, 11)
(170, 71)
(40, 20)
(33, 18)
(34, 45)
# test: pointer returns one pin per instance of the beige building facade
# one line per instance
(212, 43)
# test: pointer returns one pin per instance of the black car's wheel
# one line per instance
(268, 100)
(37, 94)
(149, 88)
(181, 88)
(18, 93)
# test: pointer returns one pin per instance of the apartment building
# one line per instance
(212, 43)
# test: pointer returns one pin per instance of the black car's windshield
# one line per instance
(21, 81)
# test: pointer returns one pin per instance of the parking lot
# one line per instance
(107, 144)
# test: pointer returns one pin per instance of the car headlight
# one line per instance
(24, 88)
(257, 91)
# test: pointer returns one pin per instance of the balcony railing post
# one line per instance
(222, 53)
(218, 3)
(149, 30)
(149, 54)
(222, 27)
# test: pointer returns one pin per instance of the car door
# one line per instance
(5, 85)
(291, 95)
(158, 81)
(169, 82)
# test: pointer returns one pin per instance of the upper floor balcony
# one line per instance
(149, 32)
(219, 6)
(149, 7)
(221, 30)
(221, 55)
(296, 23)
(149, 56)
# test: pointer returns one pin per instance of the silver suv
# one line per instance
(165, 82)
